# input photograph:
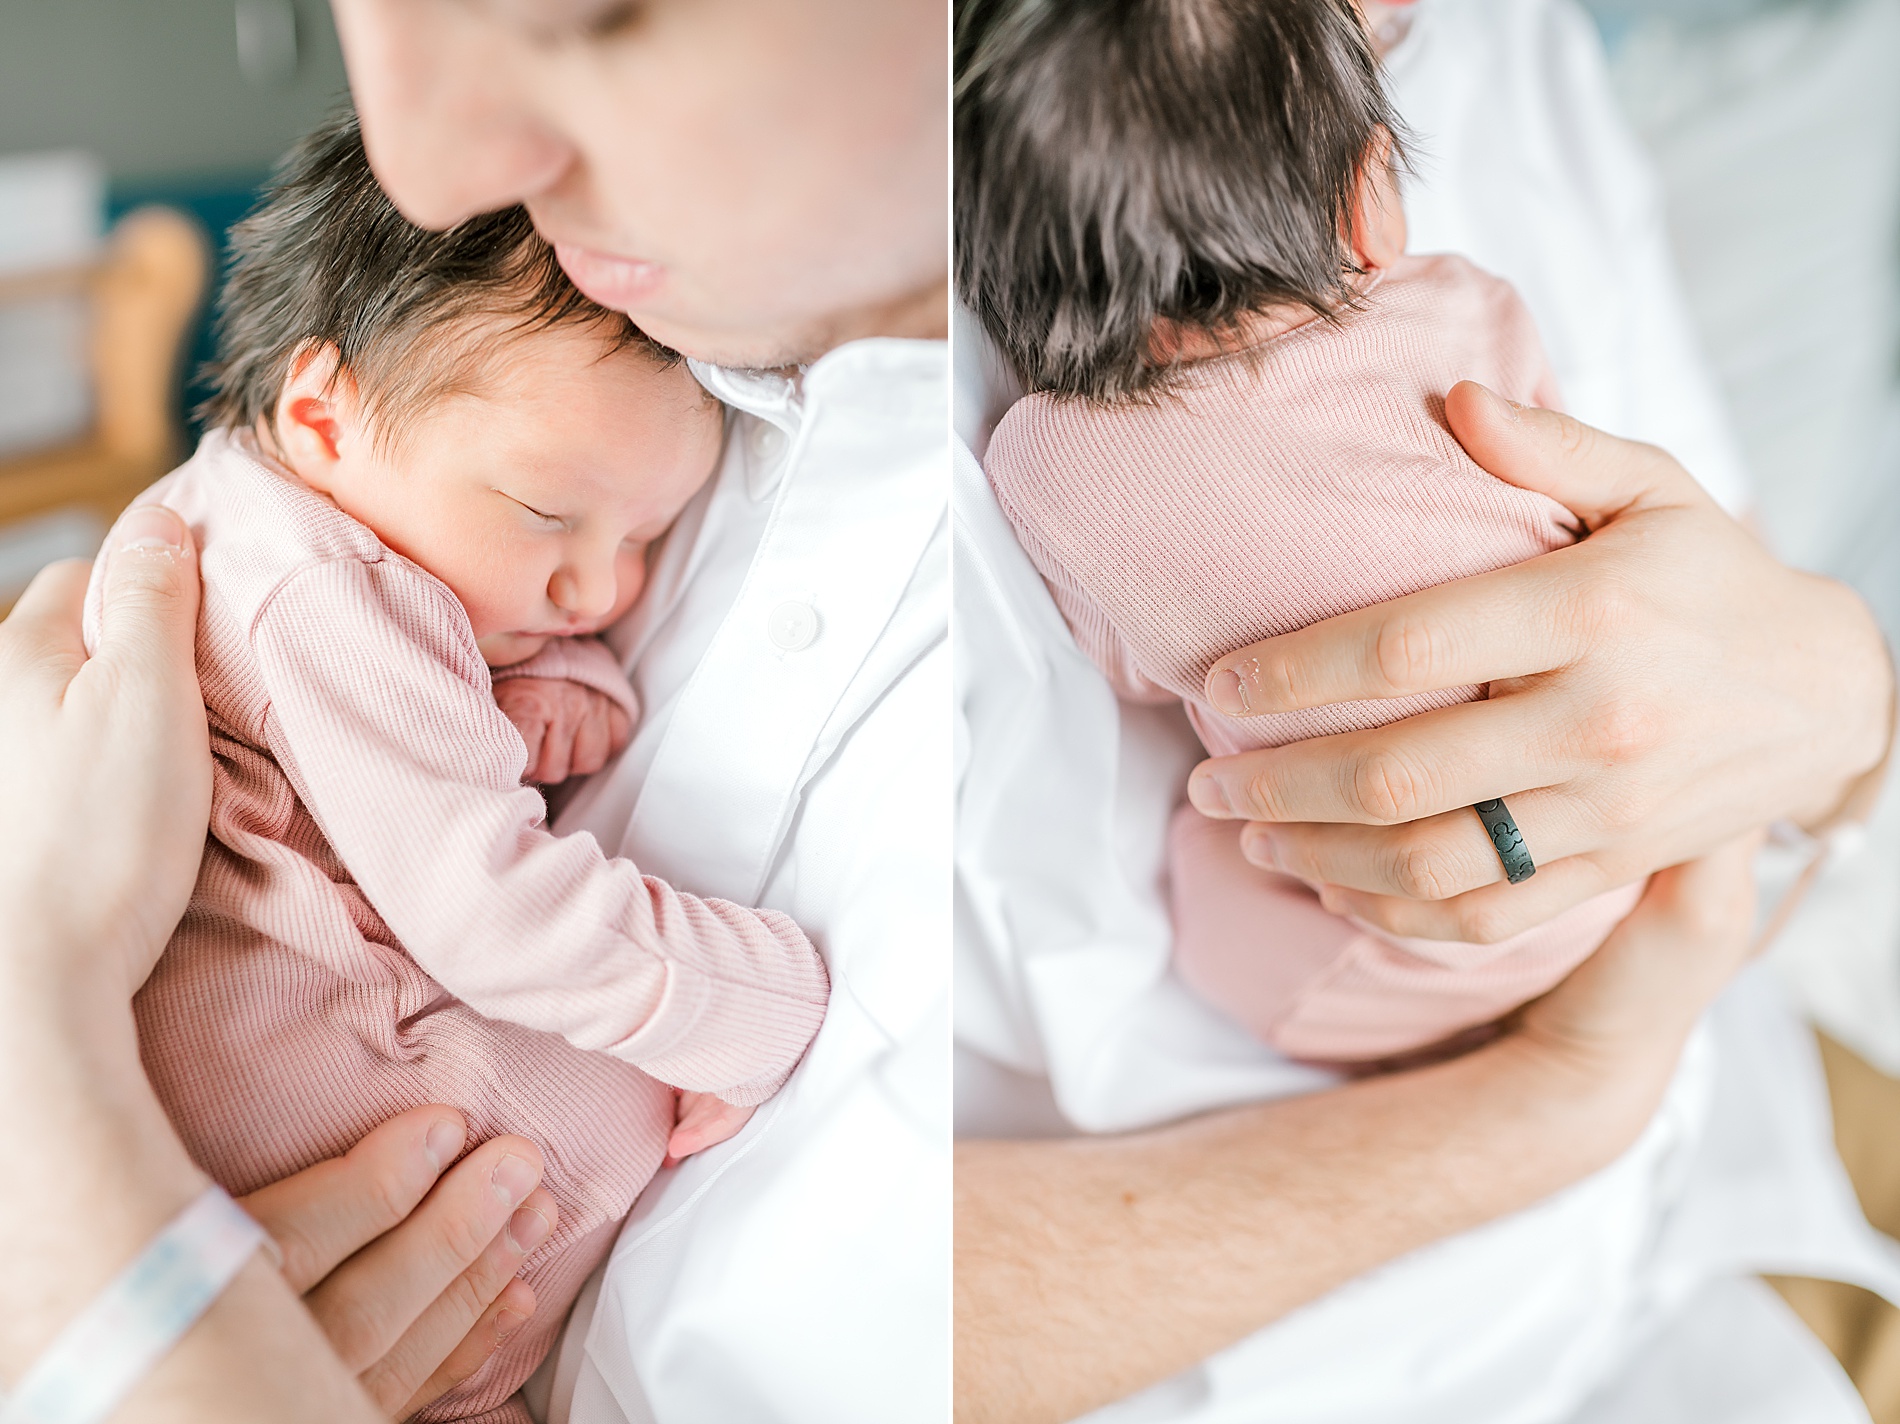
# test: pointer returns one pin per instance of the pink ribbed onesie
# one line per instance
(1306, 477)
(382, 919)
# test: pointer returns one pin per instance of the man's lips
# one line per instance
(621, 283)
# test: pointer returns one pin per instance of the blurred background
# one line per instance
(133, 133)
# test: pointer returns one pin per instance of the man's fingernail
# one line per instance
(1208, 795)
(1227, 690)
(507, 1322)
(1505, 408)
(444, 1142)
(527, 1228)
(1257, 845)
(513, 1179)
(149, 527)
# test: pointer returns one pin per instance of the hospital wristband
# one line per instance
(134, 1322)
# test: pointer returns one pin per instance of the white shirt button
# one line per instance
(768, 441)
(792, 626)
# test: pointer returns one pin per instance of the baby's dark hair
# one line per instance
(327, 259)
(1123, 161)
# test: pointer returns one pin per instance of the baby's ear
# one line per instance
(1378, 215)
(319, 413)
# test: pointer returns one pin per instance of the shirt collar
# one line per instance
(878, 380)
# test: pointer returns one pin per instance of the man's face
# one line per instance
(752, 181)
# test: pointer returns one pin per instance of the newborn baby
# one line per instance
(433, 456)
(1194, 257)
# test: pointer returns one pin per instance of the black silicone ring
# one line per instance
(1507, 839)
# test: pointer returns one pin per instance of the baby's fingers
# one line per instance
(534, 734)
(557, 753)
(593, 741)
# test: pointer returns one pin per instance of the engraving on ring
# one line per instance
(1507, 840)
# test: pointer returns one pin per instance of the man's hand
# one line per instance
(1656, 690)
(1620, 1020)
(570, 730)
(703, 1121)
(409, 1269)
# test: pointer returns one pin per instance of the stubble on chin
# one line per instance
(778, 351)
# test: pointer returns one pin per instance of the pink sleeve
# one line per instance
(588, 661)
(382, 715)
(1095, 633)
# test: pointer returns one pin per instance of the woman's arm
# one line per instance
(1656, 690)
(1089, 1269)
(105, 777)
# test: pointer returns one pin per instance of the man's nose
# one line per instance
(447, 132)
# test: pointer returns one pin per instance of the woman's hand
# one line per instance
(105, 777)
(411, 1270)
(105, 764)
(1656, 690)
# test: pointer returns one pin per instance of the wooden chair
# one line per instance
(145, 292)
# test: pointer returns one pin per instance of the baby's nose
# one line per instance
(584, 590)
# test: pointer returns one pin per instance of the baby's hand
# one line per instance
(570, 730)
(702, 1122)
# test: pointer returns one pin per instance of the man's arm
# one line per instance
(1088, 1270)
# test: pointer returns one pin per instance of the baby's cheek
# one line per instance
(505, 598)
(630, 580)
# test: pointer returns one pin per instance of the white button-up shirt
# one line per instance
(1626, 1299)
(792, 662)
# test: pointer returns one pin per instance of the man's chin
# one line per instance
(798, 341)
(758, 350)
